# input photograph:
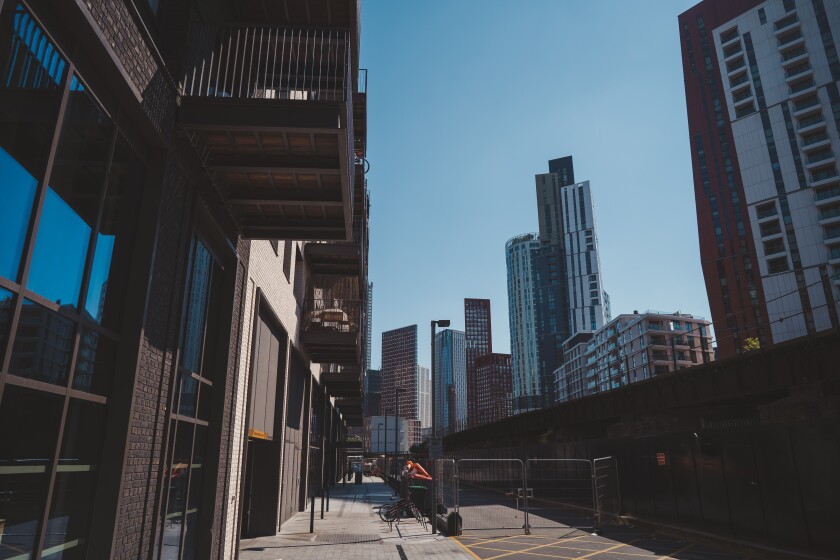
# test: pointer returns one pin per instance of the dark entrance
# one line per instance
(261, 490)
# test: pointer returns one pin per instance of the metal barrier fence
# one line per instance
(491, 494)
(539, 493)
(445, 484)
(607, 490)
(561, 493)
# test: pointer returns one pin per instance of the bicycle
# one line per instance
(390, 513)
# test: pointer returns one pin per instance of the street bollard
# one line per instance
(322, 503)
(328, 498)
(312, 512)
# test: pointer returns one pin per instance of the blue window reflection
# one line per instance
(43, 345)
(60, 248)
(97, 289)
(17, 191)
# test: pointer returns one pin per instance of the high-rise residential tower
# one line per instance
(478, 342)
(424, 396)
(399, 372)
(451, 382)
(763, 116)
(493, 401)
(519, 253)
(568, 292)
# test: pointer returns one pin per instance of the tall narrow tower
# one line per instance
(478, 340)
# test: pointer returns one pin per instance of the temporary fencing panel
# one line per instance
(491, 494)
(560, 493)
(447, 492)
(607, 491)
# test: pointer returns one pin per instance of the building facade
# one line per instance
(157, 301)
(424, 396)
(373, 392)
(766, 180)
(566, 270)
(399, 373)
(495, 388)
(451, 382)
(631, 348)
(478, 340)
(519, 256)
(383, 435)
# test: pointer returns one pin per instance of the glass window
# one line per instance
(32, 72)
(115, 238)
(75, 483)
(177, 477)
(7, 303)
(96, 362)
(43, 345)
(29, 422)
(73, 199)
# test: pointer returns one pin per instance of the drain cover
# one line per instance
(346, 538)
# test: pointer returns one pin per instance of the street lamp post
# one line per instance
(439, 323)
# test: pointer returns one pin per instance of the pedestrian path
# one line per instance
(353, 530)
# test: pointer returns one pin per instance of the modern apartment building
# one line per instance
(424, 397)
(762, 98)
(164, 328)
(478, 339)
(373, 392)
(451, 383)
(566, 275)
(522, 309)
(631, 348)
(495, 380)
(399, 373)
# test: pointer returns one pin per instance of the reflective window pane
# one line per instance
(73, 200)
(95, 363)
(115, 241)
(29, 422)
(177, 475)
(31, 73)
(75, 485)
(7, 303)
(43, 345)
(196, 486)
(197, 296)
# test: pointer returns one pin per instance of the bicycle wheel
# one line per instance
(387, 513)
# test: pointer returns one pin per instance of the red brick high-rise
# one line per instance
(479, 341)
(495, 388)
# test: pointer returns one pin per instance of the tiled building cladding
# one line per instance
(399, 371)
(727, 252)
(479, 341)
(120, 64)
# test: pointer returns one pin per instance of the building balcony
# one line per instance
(270, 113)
(331, 321)
(351, 409)
(802, 89)
(786, 25)
(794, 57)
(820, 159)
(811, 124)
(823, 178)
(342, 381)
(798, 72)
(806, 107)
(815, 142)
(342, 258)
(791, 41)
(827, 196)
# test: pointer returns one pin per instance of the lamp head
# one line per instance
(443, 322)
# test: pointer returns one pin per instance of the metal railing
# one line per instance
(262, 62)
(561, 493)
(331, 315)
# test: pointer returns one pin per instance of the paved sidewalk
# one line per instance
(352, 530)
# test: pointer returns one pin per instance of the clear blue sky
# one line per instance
(469, 99)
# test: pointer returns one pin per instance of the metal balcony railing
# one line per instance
(261, 62)
(830, 192)
(331, 315)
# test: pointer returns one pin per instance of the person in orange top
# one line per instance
(416, 470)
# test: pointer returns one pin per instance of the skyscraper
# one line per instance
(399, 371)
(451, 382)
(373, 392)
(424, 396)
(478, 341)
(566, 270)
(763, 109)
(493, 401)
(525, 364)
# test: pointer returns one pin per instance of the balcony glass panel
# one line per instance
(814, 138)
(830, 212)
(801, 86)
(829, 192)
(812, 120)
(822, 155)
(822, 175)
(799, 51)
(787, 39)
